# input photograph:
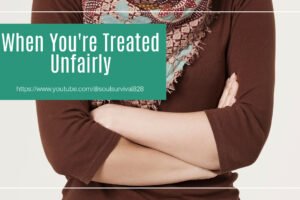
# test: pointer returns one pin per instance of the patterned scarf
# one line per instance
(187, 25)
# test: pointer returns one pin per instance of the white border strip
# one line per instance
(98, 11)
(150, 188)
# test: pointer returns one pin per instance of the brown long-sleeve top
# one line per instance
(243, 43)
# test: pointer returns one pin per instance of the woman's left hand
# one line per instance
(107, 115)
(230, 91)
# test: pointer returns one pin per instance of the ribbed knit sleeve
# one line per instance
(75, 145)
(241, 130)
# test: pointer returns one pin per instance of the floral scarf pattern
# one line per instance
(187, 25)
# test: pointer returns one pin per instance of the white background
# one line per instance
(274, 176)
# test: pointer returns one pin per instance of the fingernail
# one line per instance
(234, 75)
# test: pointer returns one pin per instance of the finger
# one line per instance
(233, 100)
(224, 94)
(232, 93)
(225, 91)
(234, 89)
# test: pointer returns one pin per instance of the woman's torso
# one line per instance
(199, 88)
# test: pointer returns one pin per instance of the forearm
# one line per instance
(187, 136)
(134, 165)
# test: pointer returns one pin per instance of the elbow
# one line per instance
(58, 150)
(57, 159)
(252, 157)
(254, 151)
(249, 151)
(59, 167)
(59, 164)
(250, 137)
(256, 140)
(240, 134)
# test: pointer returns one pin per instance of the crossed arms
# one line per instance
(159, 147)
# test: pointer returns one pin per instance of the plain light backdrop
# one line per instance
(274, 176)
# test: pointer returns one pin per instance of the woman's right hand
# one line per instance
(228, 97)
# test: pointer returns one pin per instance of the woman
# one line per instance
(197, 136)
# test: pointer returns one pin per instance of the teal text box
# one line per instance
(133, 75)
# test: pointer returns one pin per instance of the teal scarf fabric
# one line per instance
(187, 25)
